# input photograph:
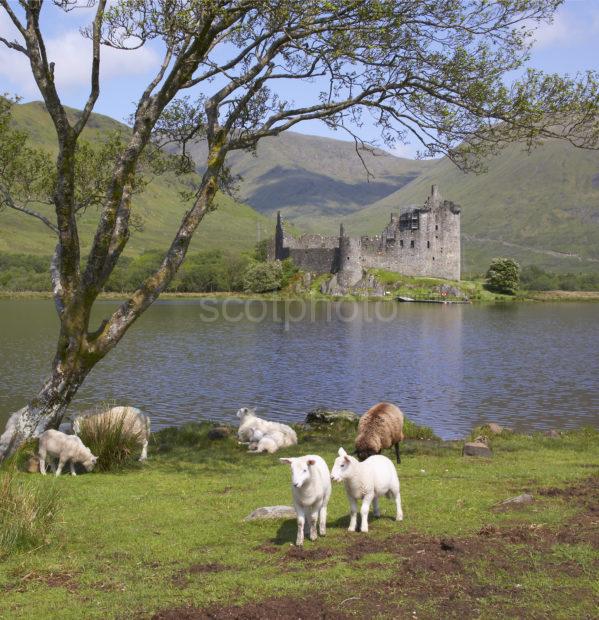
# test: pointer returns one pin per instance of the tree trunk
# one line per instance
(47, 408)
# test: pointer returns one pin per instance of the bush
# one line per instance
(109, 440)
(415, 431)
(503, 275)
(262, 277)
(28, 511)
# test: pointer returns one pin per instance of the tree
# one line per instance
(262, 277)
(503, 275)
(429, 70)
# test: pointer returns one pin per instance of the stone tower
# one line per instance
(350, 259)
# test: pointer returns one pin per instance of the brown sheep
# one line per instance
(380, 427)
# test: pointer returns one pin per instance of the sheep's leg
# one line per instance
(144, 451)
(73, 472)
(61, 463)
(52, 464)
(301, 521)
(397, 452)
(42, 455)
(364, 512)
(399, 515)
(322, 521)
(313, 521)
(353, 506)
(375, 505)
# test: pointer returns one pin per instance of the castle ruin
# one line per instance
(419, 242)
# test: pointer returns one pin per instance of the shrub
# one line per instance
(503, 275)
(28, 511)
(415, 431)
(262, 277)
(109, 440)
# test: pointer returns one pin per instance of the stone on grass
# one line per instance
(322, 415)
(525, 498)
(272, 512)
(495, 428)
(476, 448)
(219, 432)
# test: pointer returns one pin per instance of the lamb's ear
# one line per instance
(285, 460)
(311, 461)
(252, 410)
(347, 459)
(342, 452)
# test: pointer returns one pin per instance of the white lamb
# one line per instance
(66, 448)
(263, 435)
(368, 480)
(311, 490)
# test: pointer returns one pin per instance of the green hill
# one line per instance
(541, 208)
(232, 226)
(315, 181)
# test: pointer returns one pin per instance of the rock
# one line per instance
(495, 428)
(476, 448)
(32, 466)
(272, 512)
(525, 498)
(553, 433)
(322, 415)
(219, 432)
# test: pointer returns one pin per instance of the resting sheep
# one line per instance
(67, 448)
(311, 490)
(263, 435)
(379, 428)
(134, 422)
(369, 480)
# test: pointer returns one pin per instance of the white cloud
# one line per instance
(573, 24)
(72, 54)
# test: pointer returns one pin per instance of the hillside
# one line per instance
(541, 208)
(232, 225)
(315, 181)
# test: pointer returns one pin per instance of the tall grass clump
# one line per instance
(28, 511)
(111, 440)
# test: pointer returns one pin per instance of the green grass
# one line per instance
(124, 538)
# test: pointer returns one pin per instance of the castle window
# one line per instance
(428, 244)
(412, 243)
(401, 243)
(436, 227)
(433, 258)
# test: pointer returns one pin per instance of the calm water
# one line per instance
(530, 366)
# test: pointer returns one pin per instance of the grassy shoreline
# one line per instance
(168, 539)
(521, 296)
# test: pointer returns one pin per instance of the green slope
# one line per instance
(233, 226)
(541, 208)
(315, 181)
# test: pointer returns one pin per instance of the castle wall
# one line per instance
(315, 260)
(432, 250)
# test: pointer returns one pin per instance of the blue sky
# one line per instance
(568, 45)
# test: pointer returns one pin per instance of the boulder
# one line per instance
(495, 428)
(553, 433)
(322, 415)
(272, 512)
(476, 448)
(219, 432)
(525, 498)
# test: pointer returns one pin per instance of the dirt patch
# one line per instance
(181, 577)
(310, 555)
(268, 548)
(279, 608)
(51, 580)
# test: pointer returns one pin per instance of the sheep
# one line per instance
(134, 423)
(369, 479)
(379, 428)
(66, 448)
(263, 435)
(311, 490)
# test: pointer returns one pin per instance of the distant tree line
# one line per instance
(208, 271)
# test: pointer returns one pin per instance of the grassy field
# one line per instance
(168, 539)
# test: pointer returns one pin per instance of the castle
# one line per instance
(420, 242)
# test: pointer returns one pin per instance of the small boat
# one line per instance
(432, 301)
